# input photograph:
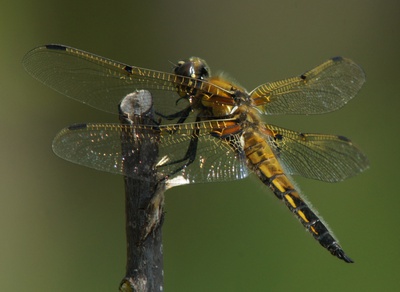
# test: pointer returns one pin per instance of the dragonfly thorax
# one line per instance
(225, 98)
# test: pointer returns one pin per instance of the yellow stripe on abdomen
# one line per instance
(262, 159)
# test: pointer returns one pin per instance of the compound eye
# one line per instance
(195, 68)
(184, 68)
(204, 72)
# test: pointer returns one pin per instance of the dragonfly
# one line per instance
(207, 127)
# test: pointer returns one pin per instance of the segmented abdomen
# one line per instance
(262, 159)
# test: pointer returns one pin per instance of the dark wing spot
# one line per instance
(343, 138)
(128, 69)
(302, 136)
(56, 47)
(337, 59)
(77, 127)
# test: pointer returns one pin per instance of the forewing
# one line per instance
(323, 157)
(323, 89)
(102, 83)
(98, 146)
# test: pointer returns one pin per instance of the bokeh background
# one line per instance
(62, 225)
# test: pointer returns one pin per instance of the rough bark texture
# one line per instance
(144, 210)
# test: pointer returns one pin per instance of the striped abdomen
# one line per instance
(262, 159)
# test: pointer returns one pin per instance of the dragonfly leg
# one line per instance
(189, 156)
(182, 115)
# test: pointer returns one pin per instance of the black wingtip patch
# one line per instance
(337, 59)
(56, 47)
(343, 138)
(77, 127)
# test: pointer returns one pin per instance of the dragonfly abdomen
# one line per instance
(262, 160)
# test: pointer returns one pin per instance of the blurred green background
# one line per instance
(62, 225)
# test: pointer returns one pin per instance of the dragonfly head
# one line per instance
(194, 67)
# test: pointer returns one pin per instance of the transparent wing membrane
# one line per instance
(323, 157)
(323, 89)
(98, 146)
(102, 83)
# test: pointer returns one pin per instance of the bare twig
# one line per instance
(144, 198)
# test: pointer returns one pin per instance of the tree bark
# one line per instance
(144, 198)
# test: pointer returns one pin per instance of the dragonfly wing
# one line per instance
(98, 146)
(323, 89)
(323, 157)
(102, 83)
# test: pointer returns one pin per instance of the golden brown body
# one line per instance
(262, 155)
(209, 129)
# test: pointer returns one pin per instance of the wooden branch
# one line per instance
(144, 199)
